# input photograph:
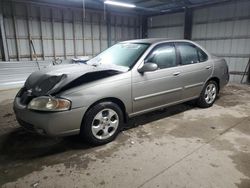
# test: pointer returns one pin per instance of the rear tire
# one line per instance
(208, 94)
(102, 123)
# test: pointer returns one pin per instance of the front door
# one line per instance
(151, 90)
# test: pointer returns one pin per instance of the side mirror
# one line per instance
(148, 67)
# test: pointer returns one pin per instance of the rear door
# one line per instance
(158, 88)
(196, 68)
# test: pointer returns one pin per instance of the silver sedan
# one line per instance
(130, 78)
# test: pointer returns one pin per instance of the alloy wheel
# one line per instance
(105, 124)
(210, 93)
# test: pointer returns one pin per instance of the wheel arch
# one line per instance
(115, 100)
(217, 80)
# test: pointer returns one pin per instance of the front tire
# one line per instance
(208, 94)
(102, 123)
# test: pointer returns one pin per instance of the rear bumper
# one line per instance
(224, 81)
(49, 123)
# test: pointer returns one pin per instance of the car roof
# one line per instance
(153, 40)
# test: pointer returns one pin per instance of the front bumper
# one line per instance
(49, 123)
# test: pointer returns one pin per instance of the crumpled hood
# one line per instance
(53, 79)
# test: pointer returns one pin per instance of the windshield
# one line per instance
(121, 54)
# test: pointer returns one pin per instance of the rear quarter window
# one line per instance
(202, 55)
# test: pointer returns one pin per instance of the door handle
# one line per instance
(176, 73)
(208, 67)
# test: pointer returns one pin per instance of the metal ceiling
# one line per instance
(144, 7)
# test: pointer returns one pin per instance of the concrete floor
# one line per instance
(182, 146)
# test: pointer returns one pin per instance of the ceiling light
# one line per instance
(116, 3)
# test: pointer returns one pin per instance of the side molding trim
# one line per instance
(157, 94)
(194, 85)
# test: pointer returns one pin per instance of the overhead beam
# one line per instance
(160, 5)
(167, 12)
(207, 4)
(141, 1)
(187, 3)
(178, 4)
(71, 6)
(182, 9)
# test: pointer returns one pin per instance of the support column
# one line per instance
(144, 27)
(100, 32)
(3, 42)
(115, 28)
(15, 32)
(248, 77)
(53, 33)
(29, 30)
(109, 28)
(41, 27)
(92, 35)
(74, 34)
(188, 24)
(64, 35)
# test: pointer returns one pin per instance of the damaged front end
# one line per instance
(34, 87)
(41, 88)
(39, 98)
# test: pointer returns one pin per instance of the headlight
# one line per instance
(49, 104)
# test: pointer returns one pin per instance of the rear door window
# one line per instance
(188, 53)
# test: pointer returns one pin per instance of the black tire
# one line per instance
(86, 127)
(202, 102)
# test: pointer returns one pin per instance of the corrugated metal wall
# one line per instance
(61, 32)
(166, 26)
(13, 75)
(225, 31)
(124, 28)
